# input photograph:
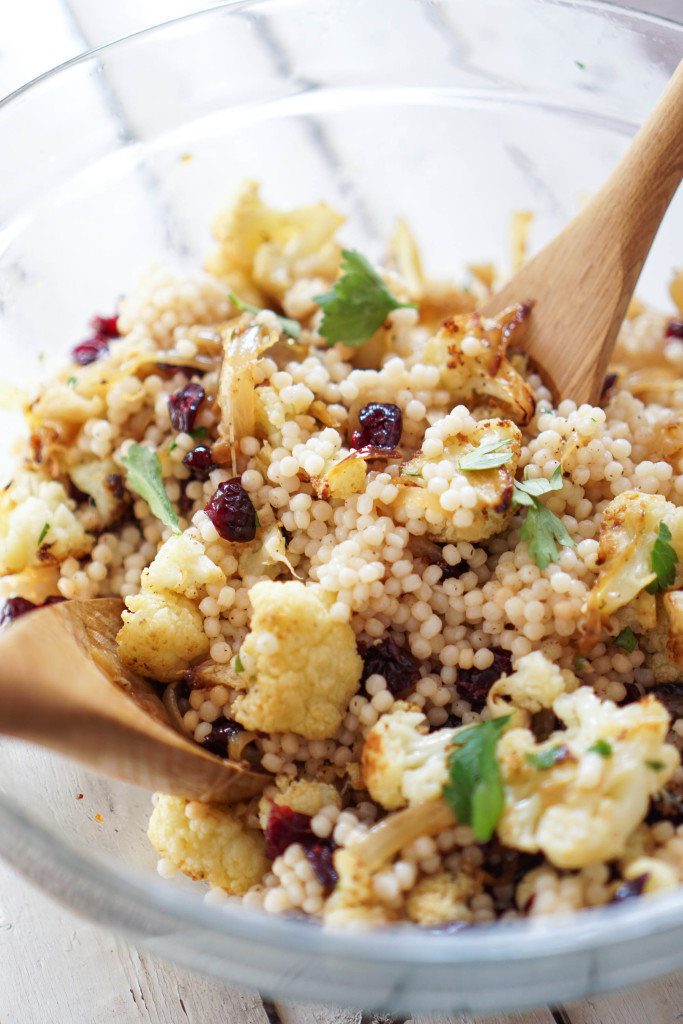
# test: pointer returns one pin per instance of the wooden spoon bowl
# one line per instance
(63, 686)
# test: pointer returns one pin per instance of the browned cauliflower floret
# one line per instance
(161, 634)
(579, 795)
(301, 668)
(628, 532)
(263, 252)
(470, 353)
(403, 762)
(163, 630)
(353, 903)
(182, 566)
(303, 796)
(441, 898)
(217, 847)
(457, 504)
(38, 525)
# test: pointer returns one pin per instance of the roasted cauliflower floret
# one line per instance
(628, 533)
(301, 668)
(535, 685)
(162, 634)
(263, 252)
(442, 898)
(304, 796)
(182, 566)
(38, 525)
(454, 503)
(470, 353)
(579, 795)
(353, 903)
(101, 480)
(216, 847)
(403, 763)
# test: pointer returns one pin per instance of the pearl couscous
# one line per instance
(362, 551)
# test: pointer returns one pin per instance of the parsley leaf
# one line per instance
(198, 433)
(656, 766)
(486, 456)
(548, 758)
(474, 790)
(663, 559)
(43, 533)
(626, 639)
(358, 304)
(143, 473)
(239, 667)
(580, 663)
(290, 327)
(601, 747)
(542, 529)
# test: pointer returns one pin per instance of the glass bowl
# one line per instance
(448, 113)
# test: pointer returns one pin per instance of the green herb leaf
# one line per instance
(411, 472)
(580, 64)
(257, 520)
(172, 446)
(601, 747)
(548, 758)
(525, 492)
(290, 327)
(542, 529)
(663, 559)
(239, 667)
(626, 639)
(656, 766)
(198, 433)
(486, 456)
(43, 533)
(70, 381)
(474, 790)
(358, 304)
(579, 663)
(143, 473)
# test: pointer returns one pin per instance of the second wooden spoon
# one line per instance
(63, 686)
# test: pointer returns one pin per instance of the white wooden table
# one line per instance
(56, 968)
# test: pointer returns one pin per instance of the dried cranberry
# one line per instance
(106, 325)
(399, 667)
(627, 890)
(632, 695)
(15, 607)
(671, 696)
(218, 739)
(200, 462)
(320, 857)
(381, 426)
(667, 804)
(452, 572)
(183, 406)
(474, 683)
(674, 329)
(231, 512)
(90, 350)
(608, 386)
(284, 827)
(170, 370)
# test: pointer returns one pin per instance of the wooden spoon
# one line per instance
(581, 283)
(63, 686)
